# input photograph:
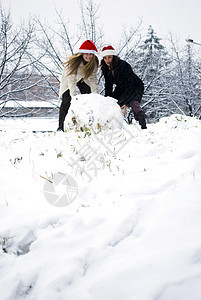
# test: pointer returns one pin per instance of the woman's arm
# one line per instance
(72, 81)
(134, 86)
(93, 81)
(108, 87)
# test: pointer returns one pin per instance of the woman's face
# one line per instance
(108, 59)
(87, 56)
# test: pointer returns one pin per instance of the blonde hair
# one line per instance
(75, 60)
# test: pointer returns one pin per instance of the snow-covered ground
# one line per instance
(133, 232)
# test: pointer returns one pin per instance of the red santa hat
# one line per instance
(109, 50)
(88, 47)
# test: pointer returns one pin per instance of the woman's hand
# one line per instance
(124, 108)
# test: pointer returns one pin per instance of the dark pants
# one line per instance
(66, 100)
(139, 114)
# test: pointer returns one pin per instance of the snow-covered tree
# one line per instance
(20, 78)
(153, 63)
(14, 62)
(186, 93)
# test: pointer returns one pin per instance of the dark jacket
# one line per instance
(128, 86)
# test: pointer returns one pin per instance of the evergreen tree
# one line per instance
(152, 55)
(153, 61)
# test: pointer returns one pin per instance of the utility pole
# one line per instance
(192, 41)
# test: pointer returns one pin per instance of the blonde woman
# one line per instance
(80, 70)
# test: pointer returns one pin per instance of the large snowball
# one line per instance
(94, 111)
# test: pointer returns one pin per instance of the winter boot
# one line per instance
(61, 127)
(141, 119)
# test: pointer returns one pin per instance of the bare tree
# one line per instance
(89, 21)
(13, 46)
(186, 80)
(18, 76)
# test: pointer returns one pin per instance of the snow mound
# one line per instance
(133, 232)
(177, 121)
(95, 112)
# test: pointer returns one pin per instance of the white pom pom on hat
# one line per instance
(109, 50)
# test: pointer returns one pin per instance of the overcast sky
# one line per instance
(181, 17)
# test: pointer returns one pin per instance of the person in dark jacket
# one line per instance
(122, 83)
